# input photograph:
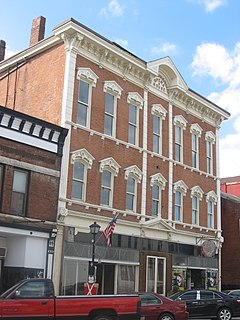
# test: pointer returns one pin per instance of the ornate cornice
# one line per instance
(181, 187)
(158, 179)
(82, 155)
(133, 172)
(111, 165)
(159, 110)
(211, 196)
(113, 88)
(197, 192)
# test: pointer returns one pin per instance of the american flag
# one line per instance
(109, 230)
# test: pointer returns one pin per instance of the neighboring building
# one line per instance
(141, 145)
(231, 185)
(231, 233)
(30, 162)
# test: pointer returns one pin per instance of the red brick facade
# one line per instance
(48, 87)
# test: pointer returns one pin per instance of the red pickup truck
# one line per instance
(35, 299)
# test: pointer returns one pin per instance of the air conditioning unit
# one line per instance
(3, 252)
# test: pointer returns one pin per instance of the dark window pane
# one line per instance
(108, 125)
(83, 92)
(19, 189)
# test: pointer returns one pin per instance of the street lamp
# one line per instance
(94, 229)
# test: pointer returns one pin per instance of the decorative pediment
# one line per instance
(133, 172)
(113, 88)
(135, 99)
(159, 180)
(211, 196)
(158, 110)
(209, 136)
(197, 192)
(84, 156)
(180, 121)
(86, 74)
(109, 164)
(181, 187)
(196, 129)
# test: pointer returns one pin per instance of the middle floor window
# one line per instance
(110, 115)
(195, 210)
(157, 147)
(106, 188)
(156, 201)
(178, 206)
(133, 124)
(131, 194)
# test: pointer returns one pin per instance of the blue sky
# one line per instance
(202, 37)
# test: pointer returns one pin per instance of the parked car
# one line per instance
(157, 307)
(209, 304)
(234, 293)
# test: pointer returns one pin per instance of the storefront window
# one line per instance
(75, 274)
(156, 274)
(126, 278)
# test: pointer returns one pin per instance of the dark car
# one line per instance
(234, 293)
(157, 307)
(209, 304)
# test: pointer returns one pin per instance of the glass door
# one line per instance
(156, 275)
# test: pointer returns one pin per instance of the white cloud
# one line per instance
(210, 5)
(223, 66)
(165, 48)
(122, 42)
(113, 9)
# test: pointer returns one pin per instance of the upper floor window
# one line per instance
(88, 80)
(158, 183)
(210, 140)
(19, 192)
(109, 168)
(1, 183)
(195, 210)
(81, 160)
(131, 194)
(180, 190)
(79, 180)
(112, 93)
(133, 175)
(210, 208)
(178, 206)
(196, 194)
(135, 102)
(159, 114)
(211, 199)
(196, 131)
(106, 188)
(180, 125)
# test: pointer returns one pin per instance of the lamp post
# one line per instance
(94, 229)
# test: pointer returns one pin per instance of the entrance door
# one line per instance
(156, 275)
(105, 278)
(197, 279)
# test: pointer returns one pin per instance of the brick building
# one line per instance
(231, 233)
(142, 145)
(30, 162)
(231, 185)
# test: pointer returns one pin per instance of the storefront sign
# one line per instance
(208, 248)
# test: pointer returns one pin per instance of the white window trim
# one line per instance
(114, 89)
(197, 209)
(136, 100)
(210, 137)
(113, 167)
(181, 122)
(197, 192)
(88, 76)
(196, 130)
(181, 187)
(211, 197)
(135, 173)
(84, 157)
(160, 181)
(111, 190)
(84, 181)
(159, 111)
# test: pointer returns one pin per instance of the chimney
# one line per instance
(2, 49)
(38, 30)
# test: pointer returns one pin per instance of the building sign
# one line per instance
(208, 248)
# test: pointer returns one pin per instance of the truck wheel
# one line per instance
(166, 316)
(224, 314)
(102, 318)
